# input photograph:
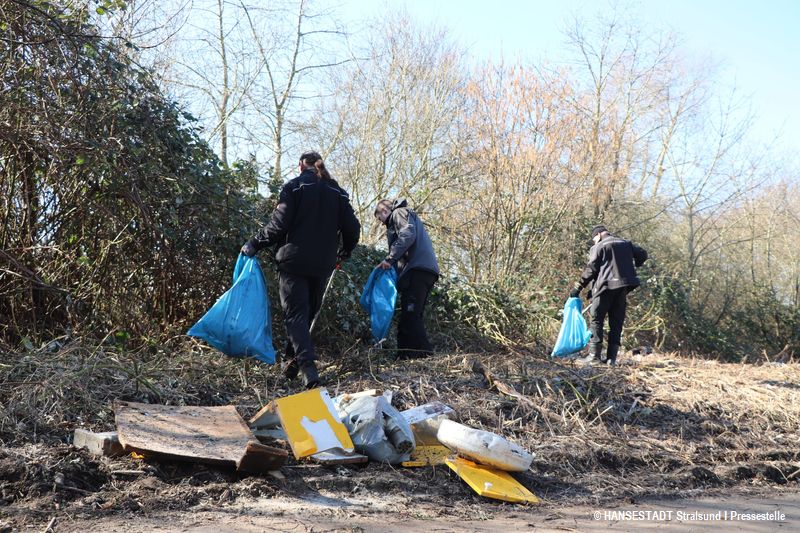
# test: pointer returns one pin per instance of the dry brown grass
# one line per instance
(655, 425)
(660, 425)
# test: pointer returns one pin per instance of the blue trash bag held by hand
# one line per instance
(378, 299)
(574, 334)
(239, 324)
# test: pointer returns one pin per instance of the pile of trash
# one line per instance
(347, 429)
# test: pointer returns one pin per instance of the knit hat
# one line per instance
(598, 230)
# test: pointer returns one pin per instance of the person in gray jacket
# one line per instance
(612, 267)
(411, 251)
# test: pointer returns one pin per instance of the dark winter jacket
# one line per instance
(409, 244)
(311, 214)
(612, 265)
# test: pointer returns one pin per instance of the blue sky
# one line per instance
(755, 43)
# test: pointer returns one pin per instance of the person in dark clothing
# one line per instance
(612, 267)
(311, 215)
(411, 251)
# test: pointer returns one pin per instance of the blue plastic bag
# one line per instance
(239, 324)
(378, 299)
(574, 334)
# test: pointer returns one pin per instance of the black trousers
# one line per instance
(301, 298)
(414, 288)
(614, 303)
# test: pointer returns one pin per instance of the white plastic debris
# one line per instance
(377, 429)
(484, 447)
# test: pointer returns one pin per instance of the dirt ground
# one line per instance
(738, 512)
(658, 433)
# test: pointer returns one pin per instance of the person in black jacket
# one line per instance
(411, 251)
(312, 213)
(612, 267)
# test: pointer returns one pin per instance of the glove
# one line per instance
(576, 291)
(248, 249)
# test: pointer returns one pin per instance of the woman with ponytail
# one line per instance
(312, 215)
(315, 160)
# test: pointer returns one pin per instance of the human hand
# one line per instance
(248, 249)
(386, 265)
(576, 291)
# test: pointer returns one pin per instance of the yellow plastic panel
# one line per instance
(311, 423)
(491, 482)
(428, 456)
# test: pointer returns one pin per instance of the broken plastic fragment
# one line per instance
(311, 423)
(428, 456)
(338, 457)
(426, 412)
(484, 447)
(490, 482)
(321, 433)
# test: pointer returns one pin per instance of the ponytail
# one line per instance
(313, 158)
(322, 172)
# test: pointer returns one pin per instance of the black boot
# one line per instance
(408, 353)
(595, 351)
(611, 357)
(289, 362)
(310, 375)
(290, 368)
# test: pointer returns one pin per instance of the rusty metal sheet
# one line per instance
(215, 435)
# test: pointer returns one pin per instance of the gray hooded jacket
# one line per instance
(410, 246)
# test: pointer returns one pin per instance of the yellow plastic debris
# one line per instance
(490, 482)
(428, 456)
(312, 424)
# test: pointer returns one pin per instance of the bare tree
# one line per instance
(634, 100)
(295, 57)
(712, 173)
(513, 194)
(200, 52)
(390, 122)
